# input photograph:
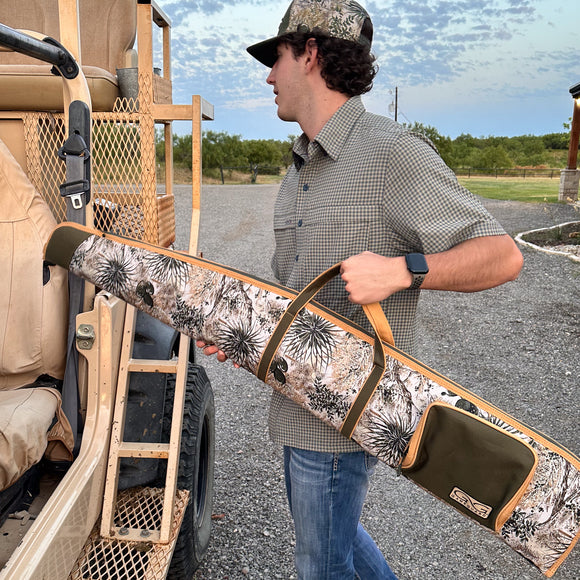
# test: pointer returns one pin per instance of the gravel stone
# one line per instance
(516, 346)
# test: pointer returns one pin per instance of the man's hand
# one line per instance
(211, 349)
(371, 278)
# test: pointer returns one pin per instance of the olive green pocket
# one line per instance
(473, 465)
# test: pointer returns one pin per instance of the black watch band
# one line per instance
(417, 265)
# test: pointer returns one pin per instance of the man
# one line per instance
(364, 192)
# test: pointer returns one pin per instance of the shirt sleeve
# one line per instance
(426, 205)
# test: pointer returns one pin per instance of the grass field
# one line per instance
(514, 189)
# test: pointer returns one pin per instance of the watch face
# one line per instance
(417, 263)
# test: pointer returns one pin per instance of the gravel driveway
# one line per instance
(517, 346)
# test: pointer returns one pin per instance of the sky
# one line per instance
(483, 67)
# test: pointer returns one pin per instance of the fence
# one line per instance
(519, 172)
(253, 169)
(515, 172)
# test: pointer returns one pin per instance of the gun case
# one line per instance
(501, 473)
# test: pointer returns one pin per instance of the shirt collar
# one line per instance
(333, 135)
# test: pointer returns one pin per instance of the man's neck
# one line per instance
(320, 111)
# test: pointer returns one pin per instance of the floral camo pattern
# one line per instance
(339, 19)
(322, 367)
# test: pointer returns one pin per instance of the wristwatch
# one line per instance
(417, 265)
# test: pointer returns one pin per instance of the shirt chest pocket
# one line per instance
(335, 233)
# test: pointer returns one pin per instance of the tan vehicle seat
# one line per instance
(28, 431)
(33, 311)
(108, 34)
(33, 327)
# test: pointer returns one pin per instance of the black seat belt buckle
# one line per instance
(76, 191)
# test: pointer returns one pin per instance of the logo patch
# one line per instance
(478, 508)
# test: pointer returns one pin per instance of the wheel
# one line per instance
(196, 470)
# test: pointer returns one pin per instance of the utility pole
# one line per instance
(394, 107)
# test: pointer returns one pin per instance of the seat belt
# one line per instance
(76, 191)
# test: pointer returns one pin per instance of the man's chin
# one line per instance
(285, 116)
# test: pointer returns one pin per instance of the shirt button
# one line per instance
(299, 223)
(305, 187)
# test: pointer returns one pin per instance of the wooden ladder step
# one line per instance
(136, 365)
(129, 449)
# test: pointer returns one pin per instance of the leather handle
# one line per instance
(378, 321)
(374, 313)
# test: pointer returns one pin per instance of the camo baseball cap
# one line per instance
(344, 19)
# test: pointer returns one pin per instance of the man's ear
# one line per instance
(311, 53)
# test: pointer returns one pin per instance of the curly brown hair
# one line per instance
(347, 67)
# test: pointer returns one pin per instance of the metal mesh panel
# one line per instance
(104, 559)
(142, 510)
(44, 134)
(118, 198)
(123, 179)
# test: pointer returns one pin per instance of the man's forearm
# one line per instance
(473, 265)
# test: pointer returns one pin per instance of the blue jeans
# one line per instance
(326, 492)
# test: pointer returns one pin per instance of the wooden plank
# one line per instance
(133, 449)
(151, 366)
(167, 112)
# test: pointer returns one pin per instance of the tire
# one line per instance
(196, 470)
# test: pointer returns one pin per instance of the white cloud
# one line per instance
(249, 104)
(455, 61)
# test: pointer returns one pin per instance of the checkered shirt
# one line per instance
(364, 183)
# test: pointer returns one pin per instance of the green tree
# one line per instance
(263, 152)
(494, 157)
(182, 150)
(556, 140)
(443, 144)
(526, 150)
(286, 150)
(159, 145)
(222, 149)
(463, 149)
